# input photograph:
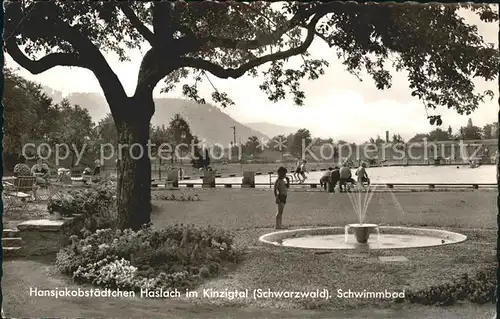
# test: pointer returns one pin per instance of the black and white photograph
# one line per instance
(250, 159)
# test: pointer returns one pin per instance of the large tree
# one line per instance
(433, 43)
(107, 130)
(438, 135)
(254, 146)
(29, 113)
(301, 139)
(180, 135)
(490, 131)
(76, 130)
(470, 132)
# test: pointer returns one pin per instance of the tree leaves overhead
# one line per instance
(433, 43)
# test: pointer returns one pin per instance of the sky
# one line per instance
(338, 105)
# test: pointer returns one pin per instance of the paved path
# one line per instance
(20, 275)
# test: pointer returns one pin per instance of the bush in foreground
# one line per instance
(96, 204)
(176, 257)
(479, 289)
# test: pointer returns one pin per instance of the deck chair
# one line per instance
(51, 189)
(19, 192)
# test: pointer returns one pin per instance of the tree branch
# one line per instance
(85, 55)
(134, 20)
(46, 63)
(224, 73)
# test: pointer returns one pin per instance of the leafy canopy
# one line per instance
(186, 41)
(29, 113)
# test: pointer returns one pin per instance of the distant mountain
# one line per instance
(207, 121)
(272, 130)
(95, 103)
(56, 96)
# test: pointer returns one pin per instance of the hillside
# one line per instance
(272, 130)
(207, 121)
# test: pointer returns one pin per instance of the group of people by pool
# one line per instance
(333, 176)
(300, 171)
(343, 177)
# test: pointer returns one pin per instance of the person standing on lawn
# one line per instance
(303, 171)
(280, 193)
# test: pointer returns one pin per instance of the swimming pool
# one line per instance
(398, 174)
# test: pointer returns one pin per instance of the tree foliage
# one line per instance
(439, 135)
(376, 141)
(29, 113)
(467, 132)
(440, 51)
(74, 129)
(179, 131)
(470, 132)
(490, 131)
(106, 129)
(184, 42)
(397, 138)
(254, 146)
(301, 139)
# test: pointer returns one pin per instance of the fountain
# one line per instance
(388, 237)
(361, 230)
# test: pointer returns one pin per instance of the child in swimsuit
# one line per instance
(303, 171)
(280, 193)
(296, 173)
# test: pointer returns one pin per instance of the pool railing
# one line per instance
(317, 185)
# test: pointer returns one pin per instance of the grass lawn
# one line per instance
(250, 213)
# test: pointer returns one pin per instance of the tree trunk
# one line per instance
(134, 170)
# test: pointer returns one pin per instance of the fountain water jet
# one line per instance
(360, 204)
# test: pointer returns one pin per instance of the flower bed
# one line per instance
(176, 257)
(479, 289)
(182, 197)
(95, 204)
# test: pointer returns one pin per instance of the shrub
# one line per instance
(175, 257)
(478, 289)
(182, 197)
(96, 204)
(63, 205)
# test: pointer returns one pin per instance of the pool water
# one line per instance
(388, 237)
(386, 241)
(400, 174)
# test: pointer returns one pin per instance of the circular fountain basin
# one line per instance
(389, 238)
